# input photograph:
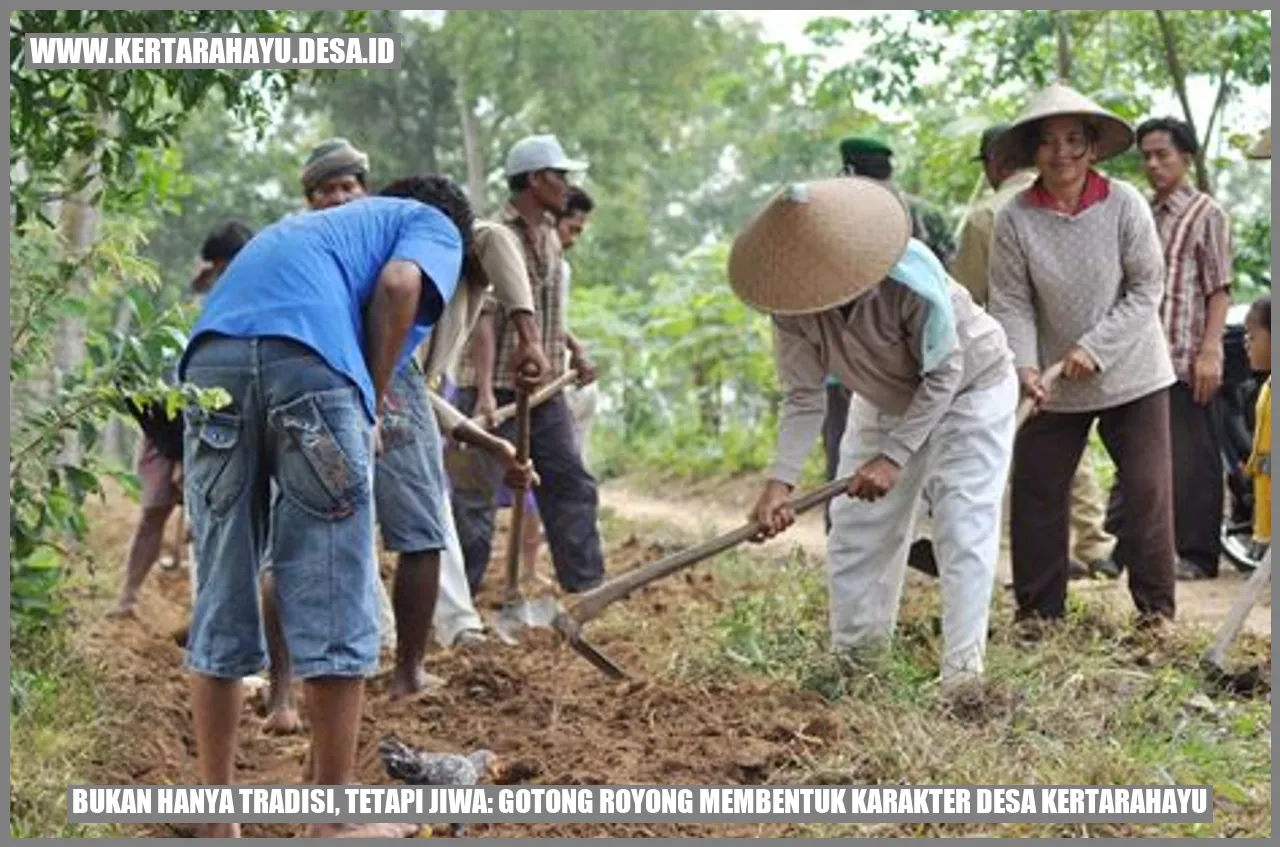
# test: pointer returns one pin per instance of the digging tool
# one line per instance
(1027, 406)
(536, 399)
(516, 613)
(569, 622)
(1214, 660)
(469, 469)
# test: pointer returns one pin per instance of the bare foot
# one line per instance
(363, 830)
(282, 721)
(404, 687)
(124, 609)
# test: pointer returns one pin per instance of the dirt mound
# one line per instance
(550, 717)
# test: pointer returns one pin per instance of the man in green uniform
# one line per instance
(871, 158)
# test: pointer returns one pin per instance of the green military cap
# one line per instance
(863, 146)
(989, 136)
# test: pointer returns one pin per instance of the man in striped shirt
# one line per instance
(1196, 236)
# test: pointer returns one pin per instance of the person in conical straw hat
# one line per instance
(1077, 276)
(851, 293)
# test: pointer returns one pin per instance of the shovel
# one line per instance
(569, 622)
(516, 613)
(1214, 661)
(468, 469)
(536, 399)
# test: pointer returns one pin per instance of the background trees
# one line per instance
(689, 118)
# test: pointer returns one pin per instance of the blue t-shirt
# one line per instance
(310, 277)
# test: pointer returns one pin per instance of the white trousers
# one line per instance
(961, 470)
(455, 610)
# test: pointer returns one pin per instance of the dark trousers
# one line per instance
(568, 501)
(1196, 437)
(838, 398)
(1045, 456)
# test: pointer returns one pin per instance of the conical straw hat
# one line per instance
(1115, 135)
(819, 244)
(1261, 148)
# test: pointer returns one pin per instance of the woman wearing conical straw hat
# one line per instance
(934, 389)
(1077, 276)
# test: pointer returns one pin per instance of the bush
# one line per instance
(60, 405)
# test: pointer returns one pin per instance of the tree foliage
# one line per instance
(690, 120)
(109, 116)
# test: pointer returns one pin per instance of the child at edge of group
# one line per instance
(1258, 342)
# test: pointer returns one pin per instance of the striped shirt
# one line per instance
(1196, 237)
(543, 258)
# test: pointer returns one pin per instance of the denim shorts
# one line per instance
(298, 423)
(409, 484)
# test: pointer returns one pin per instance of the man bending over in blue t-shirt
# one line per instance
(305, 330)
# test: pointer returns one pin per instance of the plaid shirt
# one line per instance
(1196, 237)
(544, 259)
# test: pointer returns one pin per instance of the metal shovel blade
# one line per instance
(569, 627)
(521, 613)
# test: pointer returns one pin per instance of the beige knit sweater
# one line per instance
(1094, 279)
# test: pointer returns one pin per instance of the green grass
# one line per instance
(691, 454)
(1087, 705)
(55, 715)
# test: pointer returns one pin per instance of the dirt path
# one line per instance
(1205, 603)
(550, 717)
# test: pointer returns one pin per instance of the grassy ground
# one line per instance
(1089, 705)
(56, 735)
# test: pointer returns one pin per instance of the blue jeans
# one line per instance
(295, 422)
(568, 501)
(408, 486)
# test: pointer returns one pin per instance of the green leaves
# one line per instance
(59, 415)
(56, 114)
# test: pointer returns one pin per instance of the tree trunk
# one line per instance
(113, 441)
(476, 182)
(1064, 46)
(80, 216)
(1176, 72)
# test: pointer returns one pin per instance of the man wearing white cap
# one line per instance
(537, 176)
(935, 392)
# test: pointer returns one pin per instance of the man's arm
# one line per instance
(463, 431)
(579, 360)
(483, 354)
(388, 320)
(804, 406)
(502, 260)
(804, 400)
(1214, 263)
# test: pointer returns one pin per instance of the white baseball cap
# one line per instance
(539, 153)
